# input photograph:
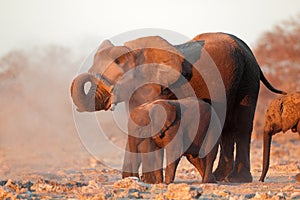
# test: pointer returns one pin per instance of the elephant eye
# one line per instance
(117, 61)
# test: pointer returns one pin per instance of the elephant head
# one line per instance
(163, 117)
(112, 62)
(99, 95)
(153, 119)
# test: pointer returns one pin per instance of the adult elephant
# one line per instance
(234, 60)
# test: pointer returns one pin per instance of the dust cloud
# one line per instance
(37, 131)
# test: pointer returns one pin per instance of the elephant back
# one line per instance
(290, 111)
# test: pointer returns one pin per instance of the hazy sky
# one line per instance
(25, 23)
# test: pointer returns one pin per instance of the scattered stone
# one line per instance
(4, 194)
(222, 193)
(265, 186)
(288, 188)
(236, 198)
(91, 188)
(158, 188)
(262, 195)
(295, 195)
(134, 194)
(133, 183)
(178, 191)
(160, 196)
(25, 184)
(249, 196)
(210, 186)
(43, 186)
(46, 186)
(2, 183)
(280, 195)
(196, 192)
(92, 197)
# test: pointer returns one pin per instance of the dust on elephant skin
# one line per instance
(283, 114)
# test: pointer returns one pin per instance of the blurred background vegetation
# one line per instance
(278, 53)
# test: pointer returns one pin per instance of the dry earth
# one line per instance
(86, 178)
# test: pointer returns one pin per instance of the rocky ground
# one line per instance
(95, 181)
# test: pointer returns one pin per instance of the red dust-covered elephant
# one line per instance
(282, 114)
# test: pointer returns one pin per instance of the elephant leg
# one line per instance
(158, 165)
(132, 158)
(209, 163)
(131, 161)
(127, 167)
(173, 154)
(241, 171)
(226, 158)
(197, 162)
(171, 170)
(147, 153)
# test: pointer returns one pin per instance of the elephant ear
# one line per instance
(164, 61)
(191, 50)
(290, 111)
(163, 115)
(104, 45)
(101, 58)
(109, 61)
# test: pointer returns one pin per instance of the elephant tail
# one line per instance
(268, 84)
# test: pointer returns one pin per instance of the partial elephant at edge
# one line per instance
(283, 114)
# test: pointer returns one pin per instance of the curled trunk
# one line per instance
(266, 155)
(84, 101)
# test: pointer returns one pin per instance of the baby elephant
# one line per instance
(188, 127)
(282, 114)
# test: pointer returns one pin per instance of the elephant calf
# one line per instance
(282, 114)
(190, 127)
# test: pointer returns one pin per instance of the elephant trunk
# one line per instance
(84, 101)
(266, 155)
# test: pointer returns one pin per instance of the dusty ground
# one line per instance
(89, 179)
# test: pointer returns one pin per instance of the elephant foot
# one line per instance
(224, 168)
(210, 179)
(222, 172)
(168, 180)
(148, 177)
(159, 176)
(128, 174)
(242, 176)
(219, 175)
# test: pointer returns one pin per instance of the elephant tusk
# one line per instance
(112, 107)
(78, 110)
(113, 103)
